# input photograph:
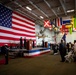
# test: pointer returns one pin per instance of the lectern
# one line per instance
(29, 44)
(46, 44)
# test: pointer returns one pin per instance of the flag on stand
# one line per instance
(13, 26)
(64, 37)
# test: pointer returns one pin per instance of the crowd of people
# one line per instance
(64, 49)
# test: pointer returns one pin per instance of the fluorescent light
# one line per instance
(28, 8)
(70, 10)
(41, 17)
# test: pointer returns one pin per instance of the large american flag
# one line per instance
(13, 26)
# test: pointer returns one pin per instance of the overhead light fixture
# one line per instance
(41, 17)
(28, 8)
(70, 10)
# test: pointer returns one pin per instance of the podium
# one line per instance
(29, 45)
(46, 44)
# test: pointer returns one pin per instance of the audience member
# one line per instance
(62, 50)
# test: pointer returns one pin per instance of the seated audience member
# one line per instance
(74, 50)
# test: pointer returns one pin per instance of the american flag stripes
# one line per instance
(13, 26)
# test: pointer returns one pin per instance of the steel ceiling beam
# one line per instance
(25, 14)
(50, 7)
(38, 8)
(18, 10)
(39, 22)
(25, 9)
(63, 5)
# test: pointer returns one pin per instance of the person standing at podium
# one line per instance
(20, 42)
(42, 43)
(6, 53)
(24, 43)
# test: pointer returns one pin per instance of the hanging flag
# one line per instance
(46, 23)
(64, 37)
(70, 30)
(59, 22)
(66, 20)
(72, 21)
(75, 22)
(63, 21)
(13, 26)
(64, 30)
(68, 26)
(63, 27)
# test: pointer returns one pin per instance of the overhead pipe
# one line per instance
(37, 8)
(63, 7)
(24, 8)
(26, 14)
(50, 7)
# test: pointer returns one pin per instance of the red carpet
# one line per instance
(2, 61)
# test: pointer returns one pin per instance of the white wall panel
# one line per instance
(50, 39)
(69, 37)
(47, 33)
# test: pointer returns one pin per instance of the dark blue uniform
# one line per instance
(6, 54)
(62, 50)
